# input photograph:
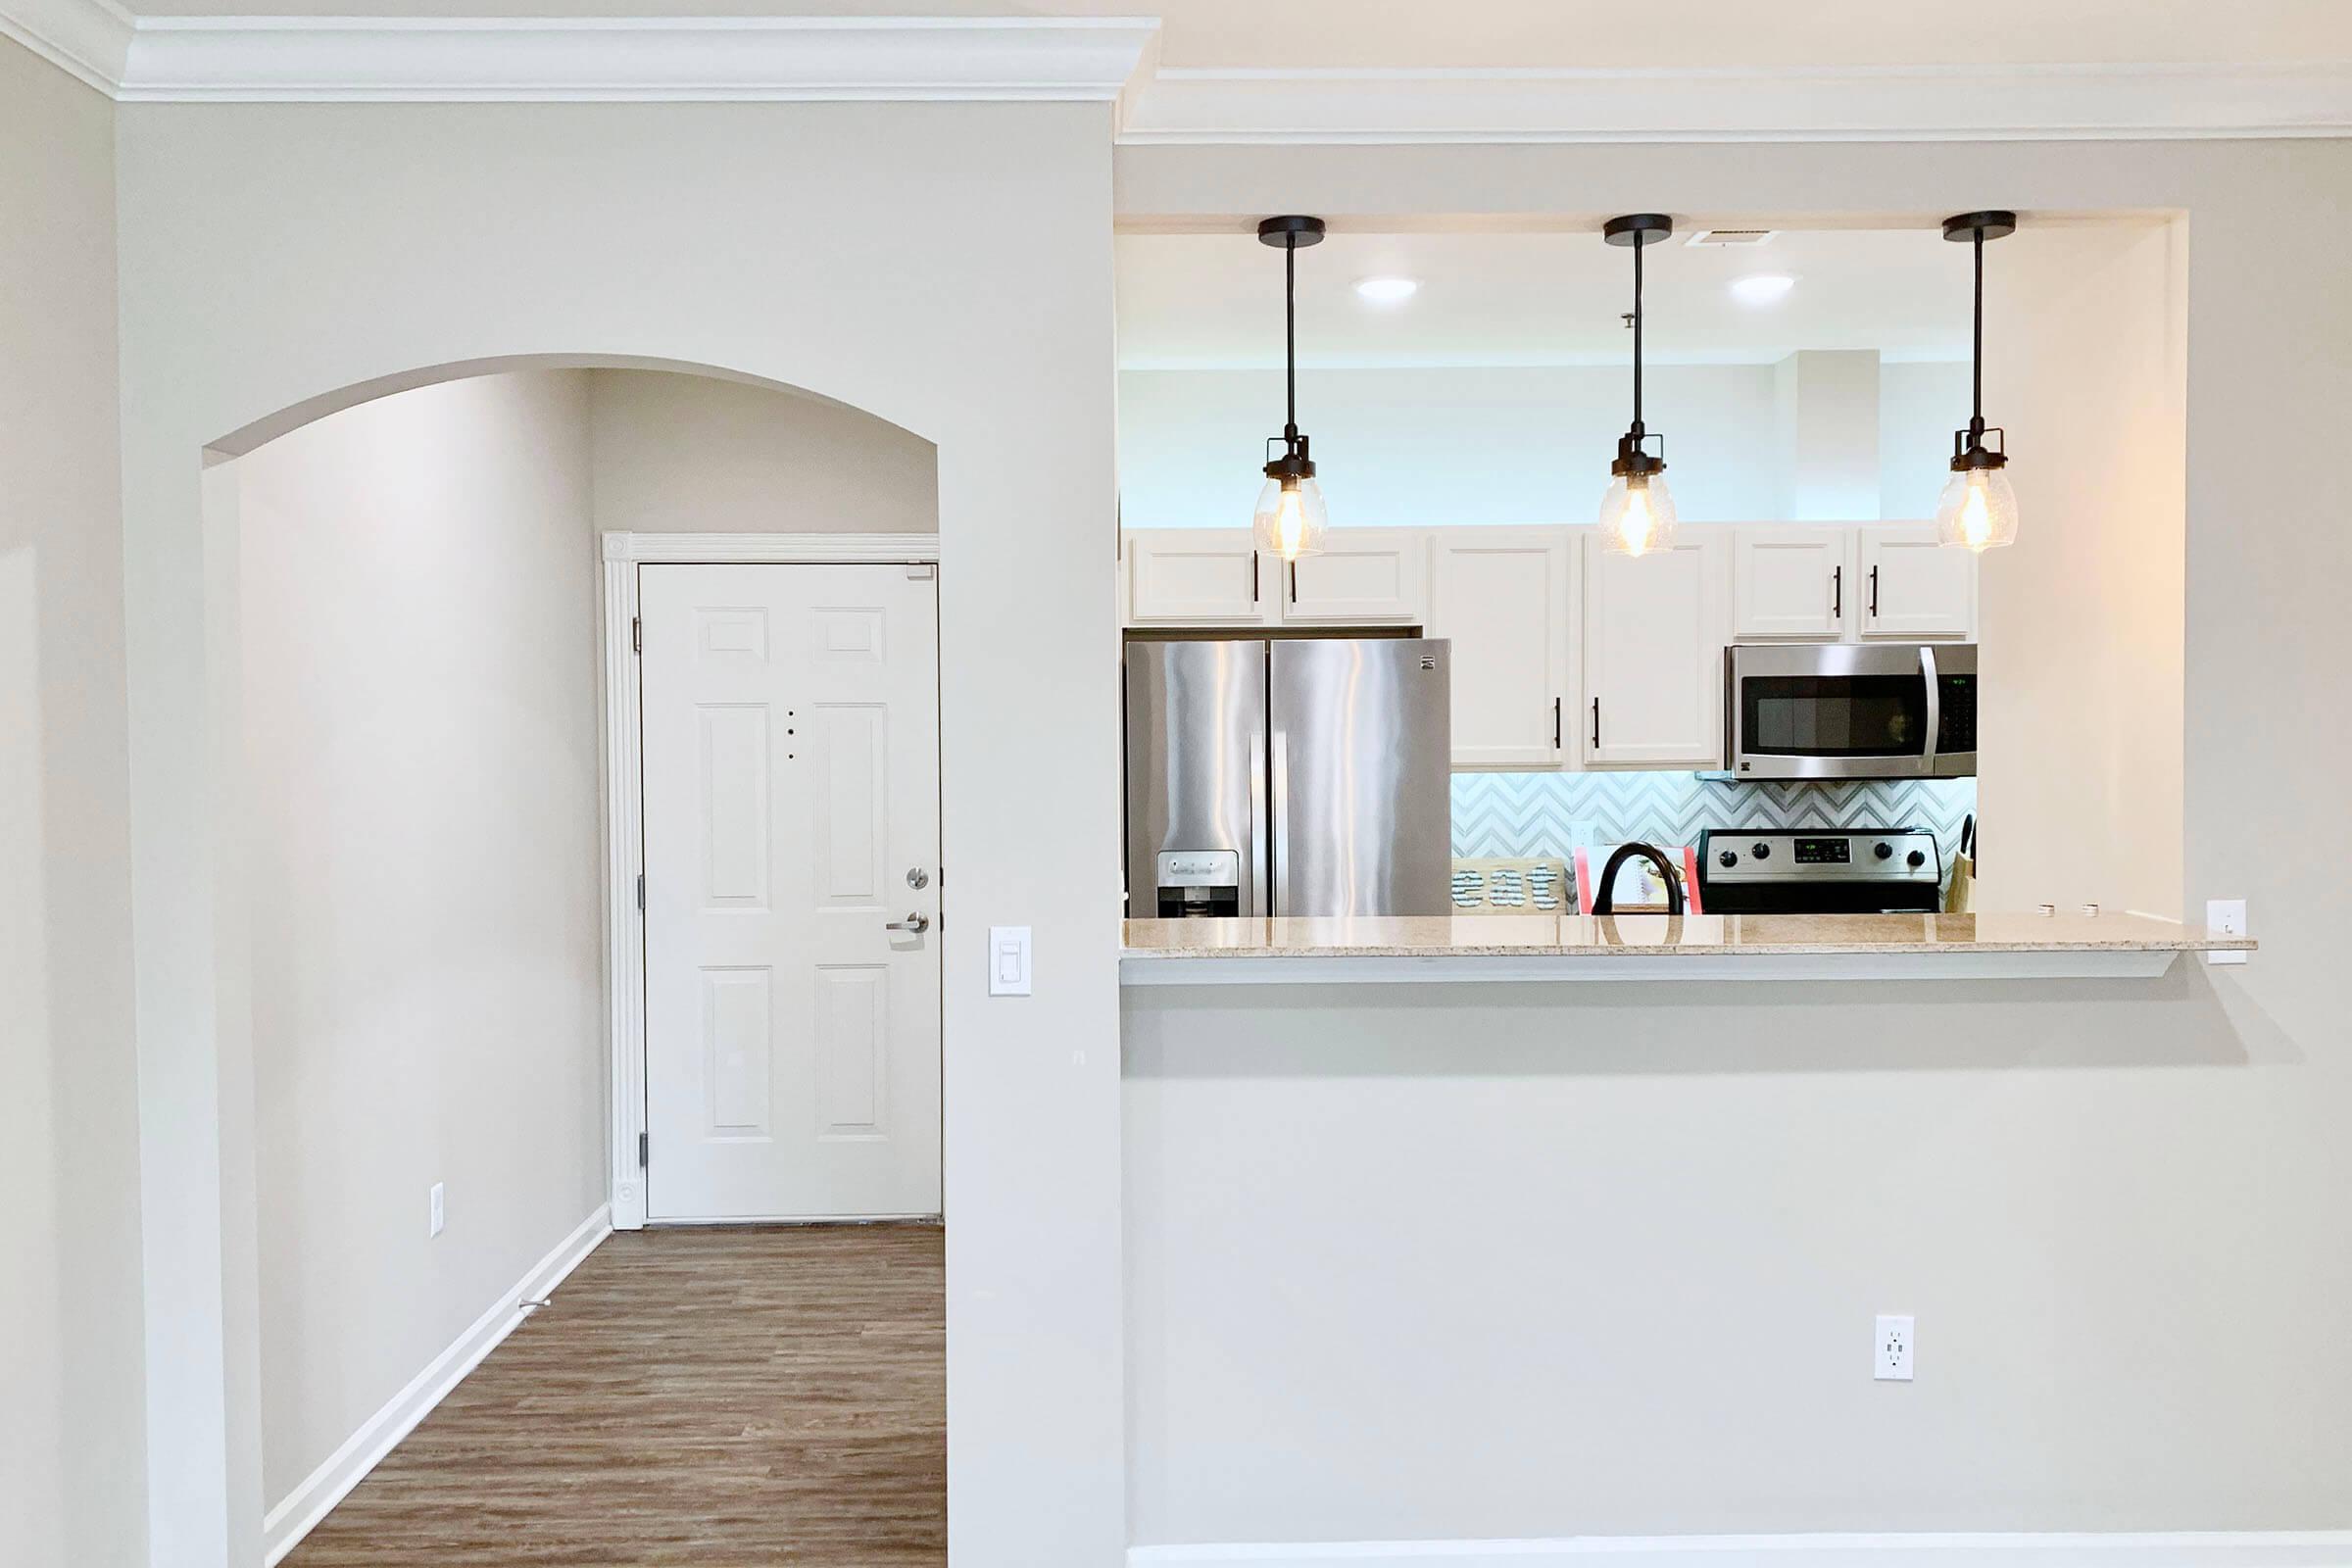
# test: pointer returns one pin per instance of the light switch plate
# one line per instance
(1009, 960)
(2225, 918)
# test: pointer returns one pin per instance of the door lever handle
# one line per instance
(916, 923)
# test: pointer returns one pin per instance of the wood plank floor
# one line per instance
(710, 1396)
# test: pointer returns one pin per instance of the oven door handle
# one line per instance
(1926, 672)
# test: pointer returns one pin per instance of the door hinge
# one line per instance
(643, 1140)
(641, 891)
(636, 634)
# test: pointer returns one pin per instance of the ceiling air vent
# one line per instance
(1732, 236)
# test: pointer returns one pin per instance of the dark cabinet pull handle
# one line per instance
(1874, 592)
(1254, 576)
(1596, 723)
(1555, 723)
(1293, 582)
(1838, 592)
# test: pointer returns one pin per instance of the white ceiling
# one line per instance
(1203, 300)
(1545, 34)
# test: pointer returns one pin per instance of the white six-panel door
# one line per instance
(791, 808)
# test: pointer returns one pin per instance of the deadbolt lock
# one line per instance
(919, 878)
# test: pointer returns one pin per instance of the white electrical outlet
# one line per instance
(1891, 1349)
(440, 1211)
(2225, 918)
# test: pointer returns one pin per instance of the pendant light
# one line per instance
(1290, 522)
(1978, 509)
(1636, 514)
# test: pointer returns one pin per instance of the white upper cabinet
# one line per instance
(1361, 577)
(1198, 577)
(1792, 583)
(1654, 629)
(1826, 583)
(1502, 596)
(1912, 587)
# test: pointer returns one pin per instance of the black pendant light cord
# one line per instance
(1289, 338)
(1639, 248)
(1976, 423)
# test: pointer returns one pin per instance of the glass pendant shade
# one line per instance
(1290, 520)
(1636, 515)
(1978, 509)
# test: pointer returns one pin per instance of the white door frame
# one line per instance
(624, 789)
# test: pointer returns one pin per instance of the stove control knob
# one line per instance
(1762, 852)
(1884, 852)
(1727, 857)
(1916, 858)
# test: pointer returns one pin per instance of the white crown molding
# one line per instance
(1033, 59)
(88, 38)
(1905, 102)
(227, 59)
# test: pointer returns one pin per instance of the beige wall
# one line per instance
(1646, 1230)
(69, 1444)
(767, 240)
(2083, 616)
(692, 453)
(419, 640)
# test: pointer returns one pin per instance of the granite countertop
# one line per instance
(1573, 936)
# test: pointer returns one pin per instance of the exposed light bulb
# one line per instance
(1291, 519)
(1636, 515)
(1637, 522)
(1978, 509)
(1976, 518)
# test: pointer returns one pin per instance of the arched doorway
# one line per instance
(414, 626)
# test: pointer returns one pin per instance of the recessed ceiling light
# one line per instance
(1766, 289)
(1387, 290)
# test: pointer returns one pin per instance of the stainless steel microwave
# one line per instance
(1843, 711)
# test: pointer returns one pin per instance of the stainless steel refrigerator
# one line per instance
(1302, 776)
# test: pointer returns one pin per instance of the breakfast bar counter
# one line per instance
(1660, 947)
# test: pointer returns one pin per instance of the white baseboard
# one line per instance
(2253, 1549)
(300, 1512)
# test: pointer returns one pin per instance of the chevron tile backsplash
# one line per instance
(1550, 814)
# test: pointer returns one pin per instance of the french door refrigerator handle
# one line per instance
(1258, 823)
(1279, 818)
(1927, 672)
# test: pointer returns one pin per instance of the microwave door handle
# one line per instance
(1926, 672)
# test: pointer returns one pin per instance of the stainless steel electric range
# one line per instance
(1816, 871)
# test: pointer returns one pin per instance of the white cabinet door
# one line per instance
(791, 806)
(1913, 587)
(1197, 577)
(1502, 595)
(1653, 654)
(1361, 577)
(1790, 584)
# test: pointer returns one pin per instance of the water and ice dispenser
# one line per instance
(1198, 883)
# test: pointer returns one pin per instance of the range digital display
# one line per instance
(1822, 852)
